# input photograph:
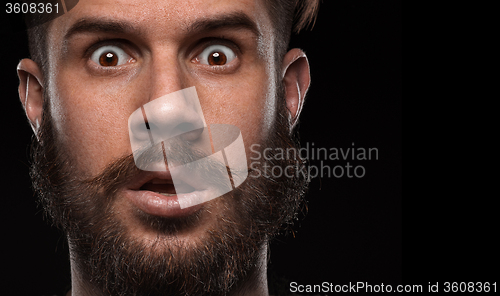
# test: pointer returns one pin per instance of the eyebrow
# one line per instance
(98, 25)
(236, 20)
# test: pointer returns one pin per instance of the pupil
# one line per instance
(216, 57)
(109, 58)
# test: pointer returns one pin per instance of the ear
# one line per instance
(31, 91)
(296, 79)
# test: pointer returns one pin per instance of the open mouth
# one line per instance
(166, 187)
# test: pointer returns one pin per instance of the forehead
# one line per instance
(163, 17)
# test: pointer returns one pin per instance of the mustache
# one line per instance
(121, 171)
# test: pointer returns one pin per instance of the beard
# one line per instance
(222, 258)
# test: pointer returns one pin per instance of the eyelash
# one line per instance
(104, 42)
(208, 41)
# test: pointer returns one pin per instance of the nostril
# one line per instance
(151, 126)
(191, 134)
(185, 127)
(139, 128)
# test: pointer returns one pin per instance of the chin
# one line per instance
(188, 227)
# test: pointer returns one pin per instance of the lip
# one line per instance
(159, 205)
(156, 204)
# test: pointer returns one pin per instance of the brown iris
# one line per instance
(109, 59)
(217, 58)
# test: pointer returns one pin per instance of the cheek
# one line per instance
(91, 120)
(245, 104)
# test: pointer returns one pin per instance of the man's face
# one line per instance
(157, 47)
(109, 58)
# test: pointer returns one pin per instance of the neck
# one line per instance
(254, 285)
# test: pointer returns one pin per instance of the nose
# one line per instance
(170, 107)
(175, 114)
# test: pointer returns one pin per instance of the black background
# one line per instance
(353, 228)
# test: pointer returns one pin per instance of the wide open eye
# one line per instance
(216, 55)
(110, 56)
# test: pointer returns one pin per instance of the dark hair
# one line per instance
(282, 14)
